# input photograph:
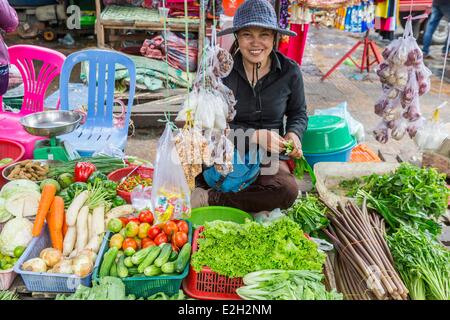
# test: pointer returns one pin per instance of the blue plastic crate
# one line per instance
(48, 282)
(147, 286)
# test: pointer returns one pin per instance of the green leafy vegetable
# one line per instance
(8, 295)
(108, 288)
(162, 296)
(234, 250)
(285, 285)
(410, 195)
(423, 263)
(309, 213)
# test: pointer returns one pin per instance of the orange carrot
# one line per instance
(55, 219)
(47, 196)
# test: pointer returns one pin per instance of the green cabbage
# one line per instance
(15, 186)
(4, 214)
(16, 232)
(235, 250)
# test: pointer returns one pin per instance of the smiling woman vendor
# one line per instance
(268, 87)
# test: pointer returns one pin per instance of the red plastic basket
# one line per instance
(117, 175)
(208, 285)
(9, 149)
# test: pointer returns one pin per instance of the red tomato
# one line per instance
(124, 221)
(183, 226)
(170, 228)
(139, 242)
(147, 242)
(153, 232)
(180, 239)
(129, 242)
(161, 238)
(146, 216)
(135, 220)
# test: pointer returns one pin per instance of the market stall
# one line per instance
(112, 227)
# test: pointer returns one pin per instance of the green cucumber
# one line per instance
(108, 260)
(122, 270)
(173, 256)
(183, 258)
(139, 256)
(152, 271)
(150, 258)
(166, 250)
(132, 271)
(168, 267)
(128, 263)
(113, 271)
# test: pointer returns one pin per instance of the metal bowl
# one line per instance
(9, 168)
(51, 123)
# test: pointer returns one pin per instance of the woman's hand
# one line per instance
(269, 140)
(297, 152)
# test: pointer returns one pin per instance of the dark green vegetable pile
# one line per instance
(410, 196)
(309, 213)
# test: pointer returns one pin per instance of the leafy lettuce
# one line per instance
(235, 250)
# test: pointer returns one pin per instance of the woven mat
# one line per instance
(131, 14)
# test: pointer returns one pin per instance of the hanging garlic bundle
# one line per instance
(404, 78)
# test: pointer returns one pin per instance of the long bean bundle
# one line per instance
(364, 266)
(104, 164)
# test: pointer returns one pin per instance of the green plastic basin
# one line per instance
(205, 214)
(326, 134)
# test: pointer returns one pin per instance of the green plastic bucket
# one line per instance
(326, 134)
(205, 214)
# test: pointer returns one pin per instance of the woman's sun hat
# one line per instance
(256, 13)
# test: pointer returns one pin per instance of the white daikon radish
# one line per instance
(75, 207)
(98, 221)
(89, 223)
(82, 228)
(69, 241)
(94, 243)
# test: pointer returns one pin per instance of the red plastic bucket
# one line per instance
(9, 149)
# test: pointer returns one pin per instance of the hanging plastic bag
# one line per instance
(431, 135)
(141, 198)
(356, 127)
(170, 194)
(404, 78)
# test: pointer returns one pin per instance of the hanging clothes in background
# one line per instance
(386, 17)
(357, 18)
(298, 18)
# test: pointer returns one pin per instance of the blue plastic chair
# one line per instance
(98, 131)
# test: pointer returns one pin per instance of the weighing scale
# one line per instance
(52, 124)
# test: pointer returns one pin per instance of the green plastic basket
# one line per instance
(143, 287)
(204, 214)
(326, 134)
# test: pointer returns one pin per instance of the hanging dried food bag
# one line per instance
(170, 193)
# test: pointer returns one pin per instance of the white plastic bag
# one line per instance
(170, 194)
(431, 135)
(356, 127)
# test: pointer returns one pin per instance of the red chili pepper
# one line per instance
(83, 171)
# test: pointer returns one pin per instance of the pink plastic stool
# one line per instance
(35, 83)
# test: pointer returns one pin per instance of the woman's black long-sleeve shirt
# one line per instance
(279, 93)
